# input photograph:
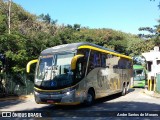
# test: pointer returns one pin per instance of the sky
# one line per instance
(123, 15)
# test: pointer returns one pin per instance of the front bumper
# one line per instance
(68, 98)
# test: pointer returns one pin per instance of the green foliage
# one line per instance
(141, 47)
(3, 25)
(153, 33)
(30, 34)
(157, 41)
(47, 19)
(13, 46)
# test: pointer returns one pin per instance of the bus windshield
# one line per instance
(139, 74)
(54, 71)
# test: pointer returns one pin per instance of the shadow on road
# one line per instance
(105, 107)
(131, 90)
(97, 102)
(6, 104)
(104, 104)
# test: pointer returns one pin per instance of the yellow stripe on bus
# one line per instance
(105, 51)
(38, 89)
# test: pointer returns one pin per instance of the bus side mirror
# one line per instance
(74, 61)
(29, 64)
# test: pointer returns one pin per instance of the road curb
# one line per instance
(151, 93)
(23, 97)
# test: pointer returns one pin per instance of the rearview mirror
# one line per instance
(29, 64)
(74, 61)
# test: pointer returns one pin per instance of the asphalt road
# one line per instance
(135, 105)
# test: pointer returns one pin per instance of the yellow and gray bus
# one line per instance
(80, 73)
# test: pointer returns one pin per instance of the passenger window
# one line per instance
(103, 60)
(80, 69)
(94, 60)
(97, 59)
(91, 62)
(122, 63)
(84, 52)
(128, 64)
(82, 63)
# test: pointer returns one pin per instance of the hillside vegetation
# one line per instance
(30, 34)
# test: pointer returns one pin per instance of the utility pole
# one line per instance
(9, 16)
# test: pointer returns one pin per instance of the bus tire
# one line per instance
(123, 90)
(127, 88)
(90, 98)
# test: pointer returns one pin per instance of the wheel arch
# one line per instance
(93, 90)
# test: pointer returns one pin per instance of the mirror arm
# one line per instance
(74, 61)
(29, 64)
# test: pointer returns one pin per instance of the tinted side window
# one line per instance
(97, 59)
(94, 60)
(91, 62)
(121, 63)
(84, 52)
(82, 63)
(103, 56)
(124, 63)
(128, 64)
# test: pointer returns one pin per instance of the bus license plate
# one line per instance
(50, 101)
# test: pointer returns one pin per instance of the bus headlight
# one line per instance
(36, 93)
(69, 93)
(68, 96)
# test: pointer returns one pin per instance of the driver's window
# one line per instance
(81, 63)
(81, 68)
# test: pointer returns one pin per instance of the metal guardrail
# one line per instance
(16, 85)
(158, 83)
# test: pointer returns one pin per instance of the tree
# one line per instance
(3, 24)
(154, 33)
(31, 34)
(47, 19)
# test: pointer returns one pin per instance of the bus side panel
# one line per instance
(108, 75)
(104, 81)
(111, 79)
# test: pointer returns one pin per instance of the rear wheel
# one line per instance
(127, 88)
(123, 90)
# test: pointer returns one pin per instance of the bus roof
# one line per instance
(74, 46)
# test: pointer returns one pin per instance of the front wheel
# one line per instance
(90, 98)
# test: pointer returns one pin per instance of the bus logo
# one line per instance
(53, 83)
